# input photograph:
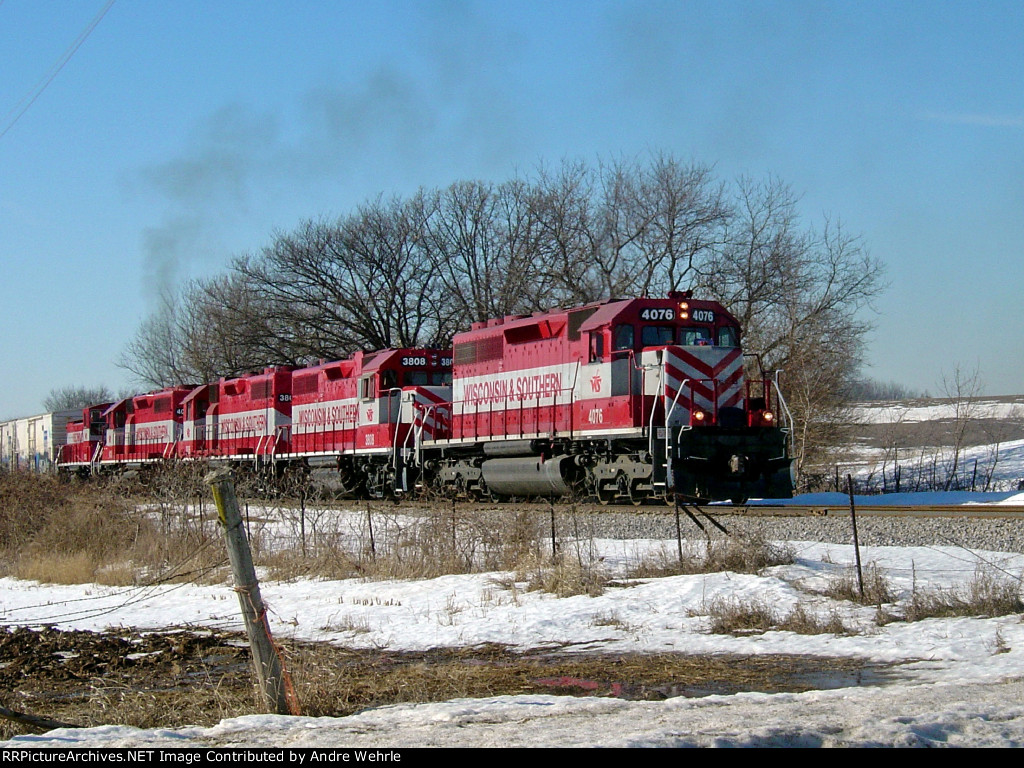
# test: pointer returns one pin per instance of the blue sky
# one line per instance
(183, 133)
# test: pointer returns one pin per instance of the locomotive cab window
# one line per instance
(728, 337)
(366, 388)
(596, 346)
(624, 337)
(415, 378)
(388, 380)
(657, 335)
(692, 337)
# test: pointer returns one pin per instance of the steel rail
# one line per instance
(877, 510)
(840, 509)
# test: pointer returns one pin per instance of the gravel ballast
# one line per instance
(997, 534)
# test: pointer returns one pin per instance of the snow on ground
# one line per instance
(993, 466)
(959, 681)
(907, 411)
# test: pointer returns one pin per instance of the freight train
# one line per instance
(620, 401)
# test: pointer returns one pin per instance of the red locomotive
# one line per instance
(353, 420)
(619, 400)
(85, 439)
(144, 428)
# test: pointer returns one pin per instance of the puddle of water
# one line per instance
(788, 681)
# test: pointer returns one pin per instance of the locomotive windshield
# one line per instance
(690, 337)
(657, 335)
(663, 335)
(424, 378)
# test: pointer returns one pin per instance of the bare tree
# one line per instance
(66, 398)
(154, 352)
(962, 387)
(573, 265)
(481, 240)
(328, 289)
(800, 295)
(665, 221)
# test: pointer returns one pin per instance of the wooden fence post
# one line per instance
(274, 681)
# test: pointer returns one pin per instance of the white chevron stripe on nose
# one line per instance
(704, 369)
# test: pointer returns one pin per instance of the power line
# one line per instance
(23, 106)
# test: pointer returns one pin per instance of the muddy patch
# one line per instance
(170, 679)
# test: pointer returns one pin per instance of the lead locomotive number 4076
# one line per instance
(623, 401)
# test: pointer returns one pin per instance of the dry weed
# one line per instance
(739, 554)
(731, 616)
(983, 595)
(563, 576)
(877, 589)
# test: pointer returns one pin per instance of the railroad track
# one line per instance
(878, 510)
(965, 511)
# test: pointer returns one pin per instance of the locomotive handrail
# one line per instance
(669, 475)
(784, 409)
(654, 406)
(410, 436)
(461, 414)
(390, 393)
(279, 432)
(572, 401)
(417, 431)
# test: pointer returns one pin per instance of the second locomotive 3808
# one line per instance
(623, 400)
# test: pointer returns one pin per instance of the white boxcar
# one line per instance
(31, 443)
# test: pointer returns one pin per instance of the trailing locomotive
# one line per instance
(623, 401)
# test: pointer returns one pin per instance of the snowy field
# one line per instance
(907, 411)
(917, 435)
(958, 681)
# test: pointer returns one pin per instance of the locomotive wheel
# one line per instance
(635, 496)
(622, 489)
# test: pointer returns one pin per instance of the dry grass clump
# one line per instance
(382, 545)
(984, 595)
(877, 588)
(72, 533)
(550, 551)
(563, 576)
(804, 623)
(730, 616)
(58, 532)
(750, 553)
